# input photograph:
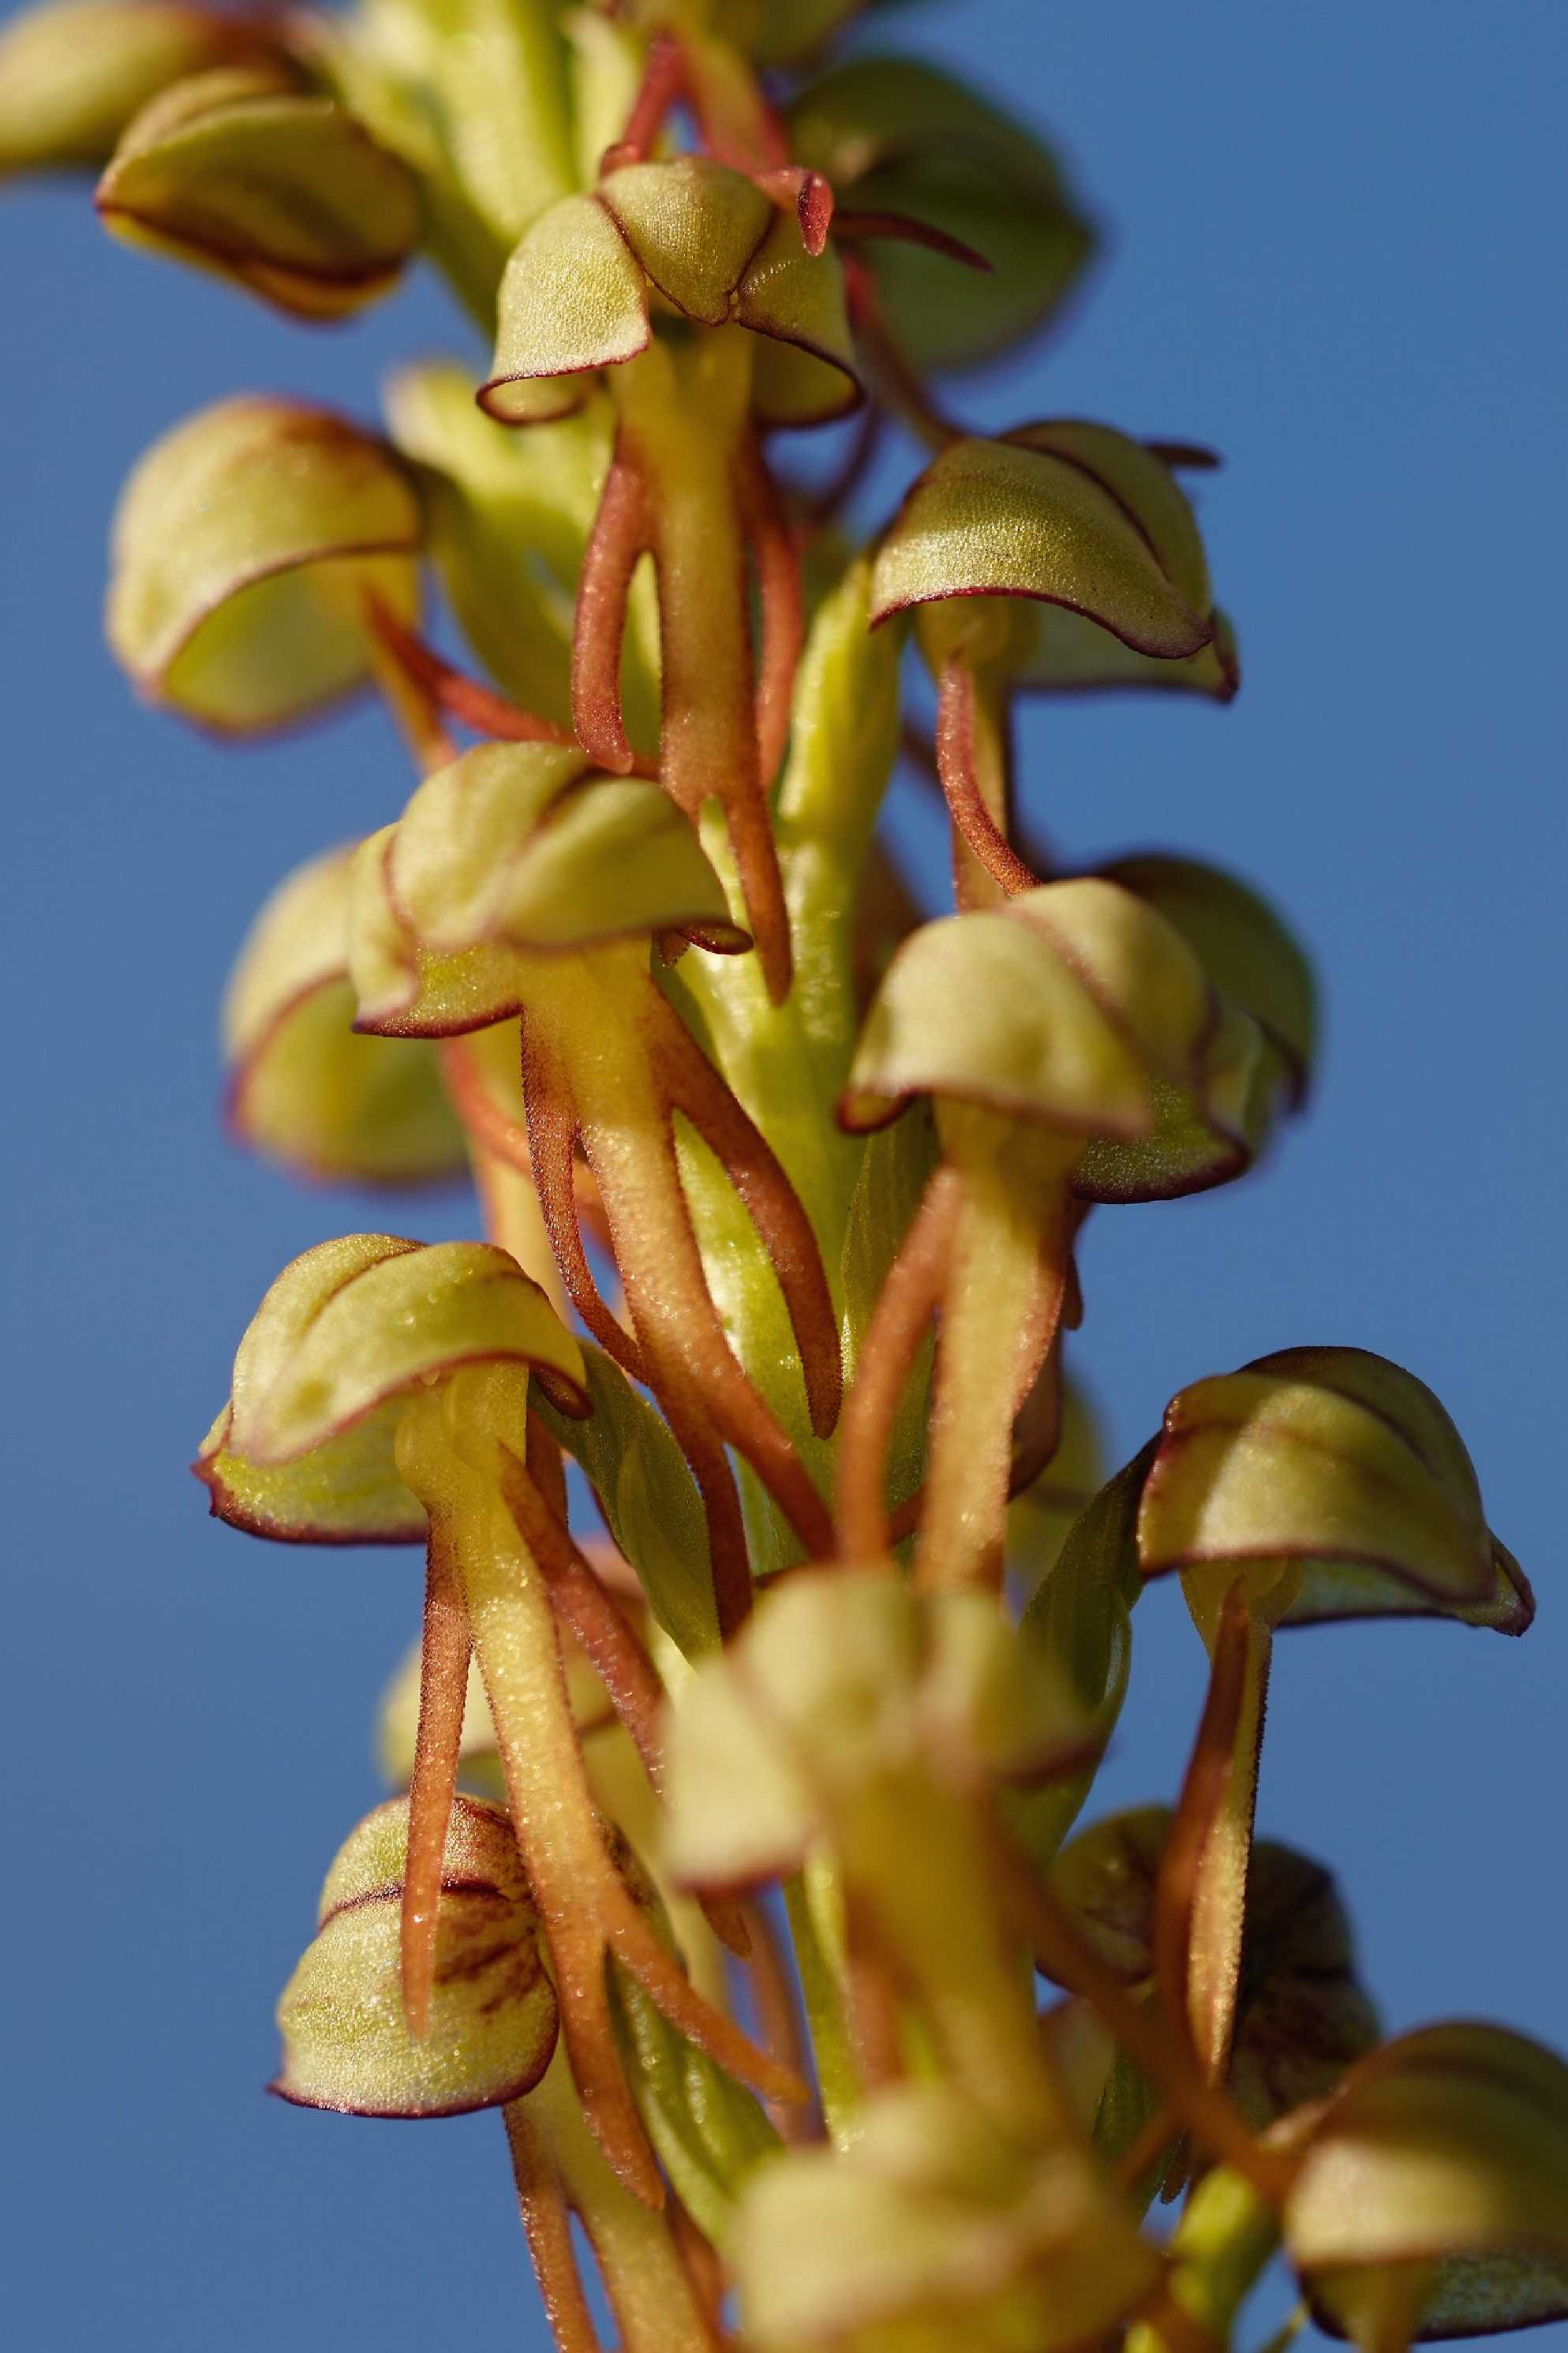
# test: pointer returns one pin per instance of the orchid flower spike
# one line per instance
(731, 1846)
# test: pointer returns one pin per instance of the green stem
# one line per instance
(557, 2164)
(1006, 1278)
(837, 2077)
(914, 1849)
(974, 760)
(1225, 2240)
(1201, 1911)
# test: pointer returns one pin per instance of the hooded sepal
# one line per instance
(1074, 1007)
(348, 1336)
(705, 241)
(1010, 519)
(247, 545)
(276, 189)
(1337, 1469)
(512, 850)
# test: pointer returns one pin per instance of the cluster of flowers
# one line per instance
(731, 1834)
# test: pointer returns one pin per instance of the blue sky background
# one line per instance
(1333, 251)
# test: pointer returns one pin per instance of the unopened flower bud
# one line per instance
(902, 142)
(491, 2024)
(305, 1088)
(74, 73)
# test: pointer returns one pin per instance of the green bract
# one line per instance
(508, 516)
(248, 546)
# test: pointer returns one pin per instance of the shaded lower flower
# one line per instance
(934, 2229)
(1431, 2196)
